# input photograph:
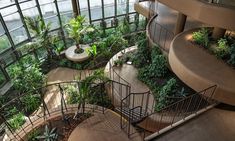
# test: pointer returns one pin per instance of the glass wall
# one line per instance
(14, 32)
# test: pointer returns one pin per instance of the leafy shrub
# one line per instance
(142, 56)
(155, 51)
(201, 37)
(33, 135)
(16, 121)
(169, 89)
(222, 50)
(118, 62)
(73, 94)
(232, 55)
(30, 102)
(158, 67)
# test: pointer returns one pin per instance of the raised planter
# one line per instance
(71, 55)
(199, 69)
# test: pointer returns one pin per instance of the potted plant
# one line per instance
(76, 30)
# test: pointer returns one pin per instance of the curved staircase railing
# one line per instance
(53, 100)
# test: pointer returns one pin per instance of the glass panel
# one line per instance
(41, 2)
(65, 6)
(83, 4)
(42, 53)
(109, 8)
(32, 12)
(48, 10)
(8, 10)
(121, 7)
(4, 43)
(54, 21)
(27, 5)
(8, 57)
(85, 13)
(66, 17)
(19, 35)
(131, 6)
(13, 21)
(2, 78)
(96, 9)
(4, 3)
(1, 29)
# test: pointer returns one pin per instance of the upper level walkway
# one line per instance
(215, 125)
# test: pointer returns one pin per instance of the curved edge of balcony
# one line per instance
(212, 14)
(199, 69)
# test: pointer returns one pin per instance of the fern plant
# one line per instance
(48, 135)
(201, 37)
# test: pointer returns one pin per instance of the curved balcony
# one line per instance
(159, 35)
(213, 14)
(199, 69)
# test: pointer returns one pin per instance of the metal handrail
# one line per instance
(180, 111)
(189, 97)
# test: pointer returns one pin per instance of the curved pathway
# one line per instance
(101, 127)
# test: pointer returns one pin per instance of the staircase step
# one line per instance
(135, 115)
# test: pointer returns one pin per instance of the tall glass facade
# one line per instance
(14, 32)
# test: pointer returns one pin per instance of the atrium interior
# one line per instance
(117, 70)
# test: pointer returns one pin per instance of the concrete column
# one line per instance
(218, 33)
(181, 20)
(75, 8)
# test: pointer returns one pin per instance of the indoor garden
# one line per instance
(71, 69)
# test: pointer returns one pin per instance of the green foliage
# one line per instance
(118, 62)
(168, 90)
(49, 135)
(73, 94)
(26, 78)
(92, 51)
(76, 28)
(30, 103)
(201, 37)
(17, 120)
(155, 51)
(142, 55)
(4, 43)
(88, 93)
(182, 92)
(33, 135)
(37, 26)
(124, 27)
(40, 29)
(222, 50)
(158, 67)
(2, 79)
(29, 47)
(232, 55)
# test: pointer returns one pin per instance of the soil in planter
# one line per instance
(63, 127)
(79, 50)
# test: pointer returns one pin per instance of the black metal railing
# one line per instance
(159, 35)
(179, 112)
(134, 108)
(54, 101)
